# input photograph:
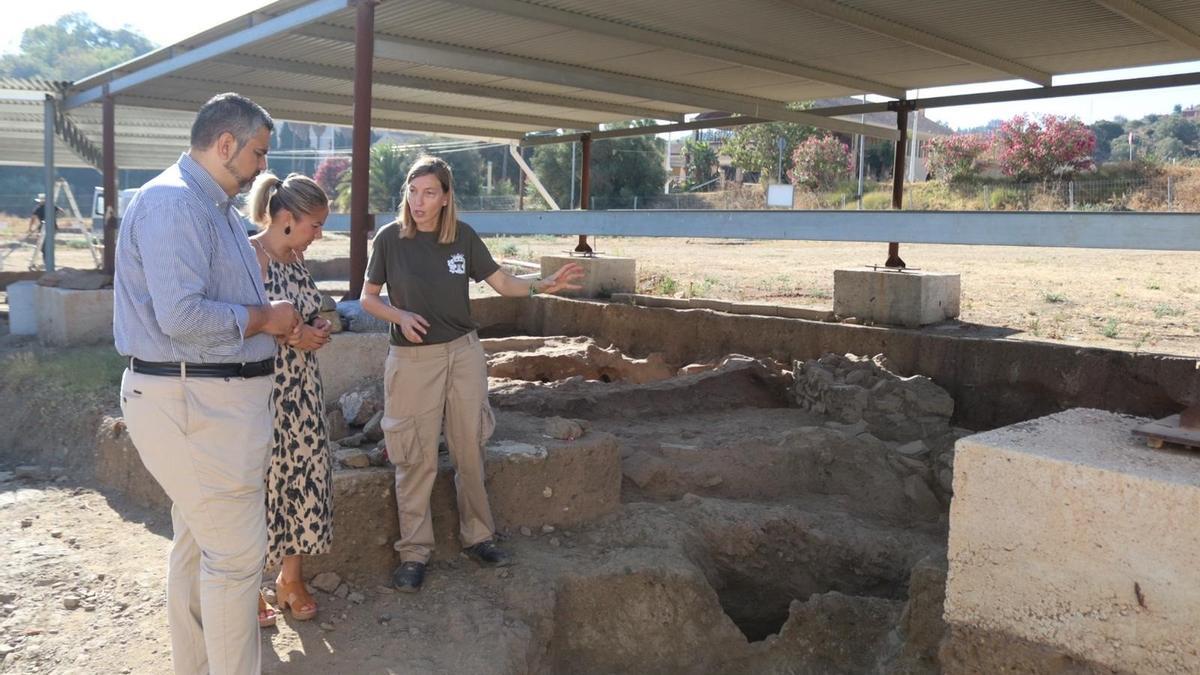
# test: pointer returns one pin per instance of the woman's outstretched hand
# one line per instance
(564, 279)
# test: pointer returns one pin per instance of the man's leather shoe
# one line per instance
(409, 576)
(487, 553)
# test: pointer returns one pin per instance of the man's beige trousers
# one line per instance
(207, 441)
(422, 386)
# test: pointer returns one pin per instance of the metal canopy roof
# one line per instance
(505, 68)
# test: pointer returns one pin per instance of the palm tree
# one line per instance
(389, 166)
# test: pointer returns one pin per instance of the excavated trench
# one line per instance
(783, 486)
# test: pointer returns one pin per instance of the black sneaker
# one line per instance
(487, 553)
(409, 576)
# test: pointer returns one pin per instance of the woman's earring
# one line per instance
(287, 230)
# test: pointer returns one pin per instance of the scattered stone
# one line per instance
(853, 389)
(31, 472)
(378, 455)
(70, 602)
(7, 597)
(359, 406)
(353, 458)
(356, 597)
(26, 522)
(381, 540)
(913, 449)
(922, 498)
(326, 581)
(6, 649)
(548, 492)
(373, 429)
(384, 618)
(76, 280)
(57, 534)
(563, 429)
(89, 607)
(504, 574)
(326, 626)
(413, 630)
(946, 479)
(335, 423)
(353, 440)
(343, 591)
(526, 531)
(547, 529)
(713, 481)
(554, 541)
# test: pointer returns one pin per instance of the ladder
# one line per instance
(62, 187)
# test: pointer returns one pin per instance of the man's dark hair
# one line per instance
(229, 112)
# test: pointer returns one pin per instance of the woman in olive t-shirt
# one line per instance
(436, 370)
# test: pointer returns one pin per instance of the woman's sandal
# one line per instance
(266, 614)
(295, 596)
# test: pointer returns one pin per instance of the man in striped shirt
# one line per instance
(191, 314)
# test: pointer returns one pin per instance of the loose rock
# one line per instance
(326, 581)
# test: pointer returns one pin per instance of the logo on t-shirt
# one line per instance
(457, 264)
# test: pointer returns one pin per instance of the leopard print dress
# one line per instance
(299, 482)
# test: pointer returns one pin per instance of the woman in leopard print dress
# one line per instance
(291, 214)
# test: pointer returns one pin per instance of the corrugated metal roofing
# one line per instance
(505, 67)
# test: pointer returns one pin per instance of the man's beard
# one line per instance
(243, 182)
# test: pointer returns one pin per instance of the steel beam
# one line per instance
(919, 38)
(447, 87)
(300, 97)
(1061, 229)
(1154, 22)
(687, 45)
(112, 202)
(343, 120)
(469, 59)
(360, 157)
(152, 66)
(48, 230)
(1057, 91)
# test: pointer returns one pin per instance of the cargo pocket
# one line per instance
(401, 440)
(487, 423)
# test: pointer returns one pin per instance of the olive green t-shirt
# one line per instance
(430, 279)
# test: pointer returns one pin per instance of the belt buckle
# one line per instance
(243, 370)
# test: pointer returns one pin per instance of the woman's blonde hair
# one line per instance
(437, 167)
(297, 193)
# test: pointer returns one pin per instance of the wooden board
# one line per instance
(1168, 430)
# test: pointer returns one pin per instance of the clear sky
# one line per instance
(166, 21)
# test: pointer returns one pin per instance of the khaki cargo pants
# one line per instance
(423, 386)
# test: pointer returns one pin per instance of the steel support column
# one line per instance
(360, 158)
(112, 201)
(585, 180)
(48, 162)
(902, 108)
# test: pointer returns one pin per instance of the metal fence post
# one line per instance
(1071, 195)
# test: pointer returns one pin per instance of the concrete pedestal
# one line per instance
(1067, 532)
(68, 317)
(909, 299)
(604, 275)
(22, 308)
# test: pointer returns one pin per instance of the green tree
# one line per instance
(71, 48)
(390, 163)
(622, 168)
(755, 147)
(701, 162)
(389, 167)
(1106, 131)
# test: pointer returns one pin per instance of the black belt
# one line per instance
(173, 368)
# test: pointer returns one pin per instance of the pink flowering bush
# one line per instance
(1045, 148)
(956, 158)
(819, 162)
(329, 173)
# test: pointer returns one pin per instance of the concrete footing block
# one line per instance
(603, 275)
(1067, 532)
(67, 317)
(899, 298)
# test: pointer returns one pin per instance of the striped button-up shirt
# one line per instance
(185, 272)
